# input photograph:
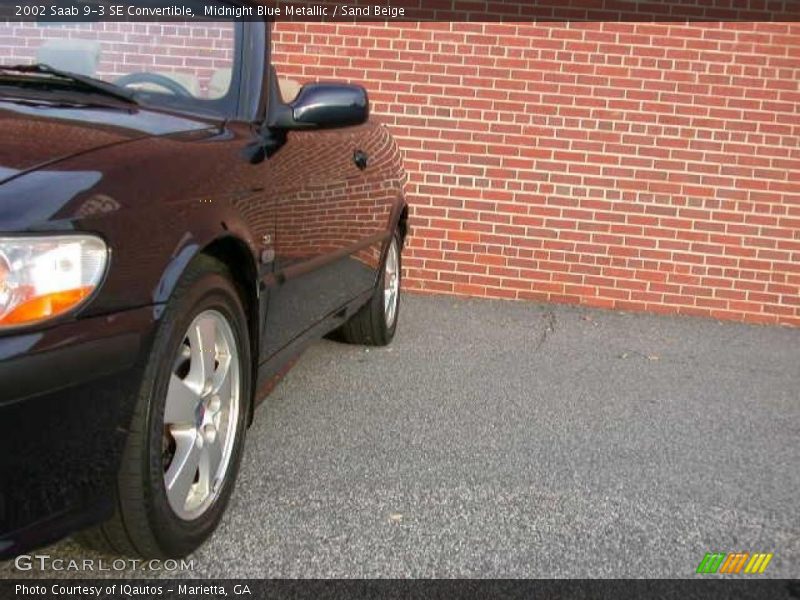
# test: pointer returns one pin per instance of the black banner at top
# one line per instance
(399, 10)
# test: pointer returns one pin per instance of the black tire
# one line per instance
(144, 524)
(369, 325)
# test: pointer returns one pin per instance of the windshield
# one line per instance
(181, 65)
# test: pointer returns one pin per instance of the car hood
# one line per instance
(34, 134)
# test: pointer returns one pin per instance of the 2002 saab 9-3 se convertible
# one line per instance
(176, 223)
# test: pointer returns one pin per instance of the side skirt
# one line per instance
(271, 371)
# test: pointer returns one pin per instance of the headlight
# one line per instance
(43, 277)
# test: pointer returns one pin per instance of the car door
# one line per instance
(332, 211)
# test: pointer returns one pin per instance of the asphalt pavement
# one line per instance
(501, 439)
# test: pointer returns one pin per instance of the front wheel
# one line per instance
(185, 441)
(376, 322)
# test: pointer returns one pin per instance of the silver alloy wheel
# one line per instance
(200, 415)
(391, 283)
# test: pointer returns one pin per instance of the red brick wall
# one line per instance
(638, 166)
(644, 166)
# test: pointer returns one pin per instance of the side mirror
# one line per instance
(322, 106)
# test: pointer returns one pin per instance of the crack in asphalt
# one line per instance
(549, 328)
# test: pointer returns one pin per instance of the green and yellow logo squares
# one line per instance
(733, 564)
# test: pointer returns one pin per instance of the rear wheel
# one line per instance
(185, 442)
(376, 322)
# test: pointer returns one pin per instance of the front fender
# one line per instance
(157, 202)
(198, 241)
